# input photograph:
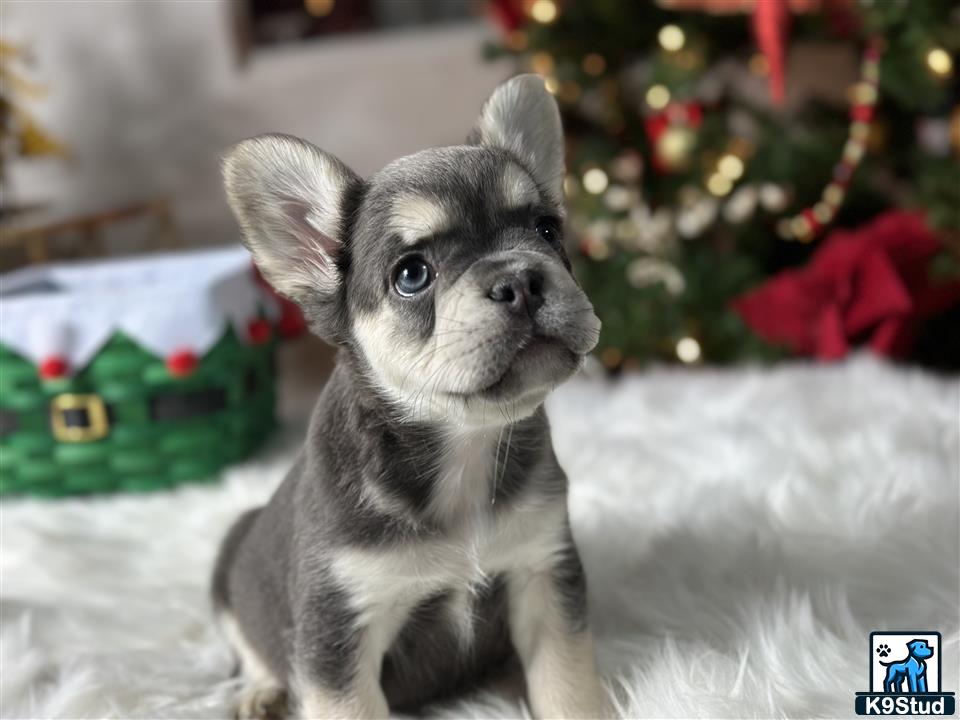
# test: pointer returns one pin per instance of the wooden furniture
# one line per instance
(35, 236)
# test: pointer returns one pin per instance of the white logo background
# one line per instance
(899, 651)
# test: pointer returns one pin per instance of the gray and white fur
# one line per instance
(421, 541)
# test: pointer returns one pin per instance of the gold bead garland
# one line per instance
(806, 225)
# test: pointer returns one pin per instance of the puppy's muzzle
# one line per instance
(520, 292)
(523, 294)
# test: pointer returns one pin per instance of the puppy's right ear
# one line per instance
(288, 197)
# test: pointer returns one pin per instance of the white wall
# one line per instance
(128, 86)
(147, 95)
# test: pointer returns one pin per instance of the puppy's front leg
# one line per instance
(337, 663)
(548, 625)
(320, 697)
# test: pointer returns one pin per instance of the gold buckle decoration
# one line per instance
(98, 424)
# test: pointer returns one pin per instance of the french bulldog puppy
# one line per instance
(421, 539)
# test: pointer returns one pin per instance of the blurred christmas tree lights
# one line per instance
(698, 170)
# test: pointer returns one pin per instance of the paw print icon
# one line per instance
(883, 650)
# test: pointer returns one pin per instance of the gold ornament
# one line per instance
(543, 11)
(542, 63)
(688, 350)
(658, 97)
(730, 166)
(671, 38)
(319, 8)
(675, 145)
(719, 185)
(595, 181)
(940, 62)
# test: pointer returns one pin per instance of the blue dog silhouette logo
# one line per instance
(909, 674)
(905, 672)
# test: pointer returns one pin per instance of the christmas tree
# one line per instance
(719, 209)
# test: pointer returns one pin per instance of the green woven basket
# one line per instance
(126, 423)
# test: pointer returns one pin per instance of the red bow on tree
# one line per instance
(869, 285)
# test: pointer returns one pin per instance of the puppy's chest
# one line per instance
(479, 538)
(458, 562)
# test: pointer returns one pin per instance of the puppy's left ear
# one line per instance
(522, 117)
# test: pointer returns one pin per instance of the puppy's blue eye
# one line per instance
(549, 230)
(413, 276)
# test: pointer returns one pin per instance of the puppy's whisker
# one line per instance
(425, 360)
(421, 394)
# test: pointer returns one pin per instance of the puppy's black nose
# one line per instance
(521, 293)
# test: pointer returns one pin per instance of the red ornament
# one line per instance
(675, 115)
(291, 323)
(871, 285)
(182, 363)
(53, 367)
(508, 14)
(259, 331)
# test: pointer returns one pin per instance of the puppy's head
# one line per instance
(445, 273)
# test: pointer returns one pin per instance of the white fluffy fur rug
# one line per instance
(743, 532)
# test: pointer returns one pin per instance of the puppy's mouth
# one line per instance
(537, 366)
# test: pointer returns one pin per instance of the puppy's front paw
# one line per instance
(583, 699)
(262, 702)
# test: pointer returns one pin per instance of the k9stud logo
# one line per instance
(905, 673)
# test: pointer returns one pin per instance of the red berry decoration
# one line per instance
(182, 363)
(53, 367)
(291, 322)
(259, 331)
